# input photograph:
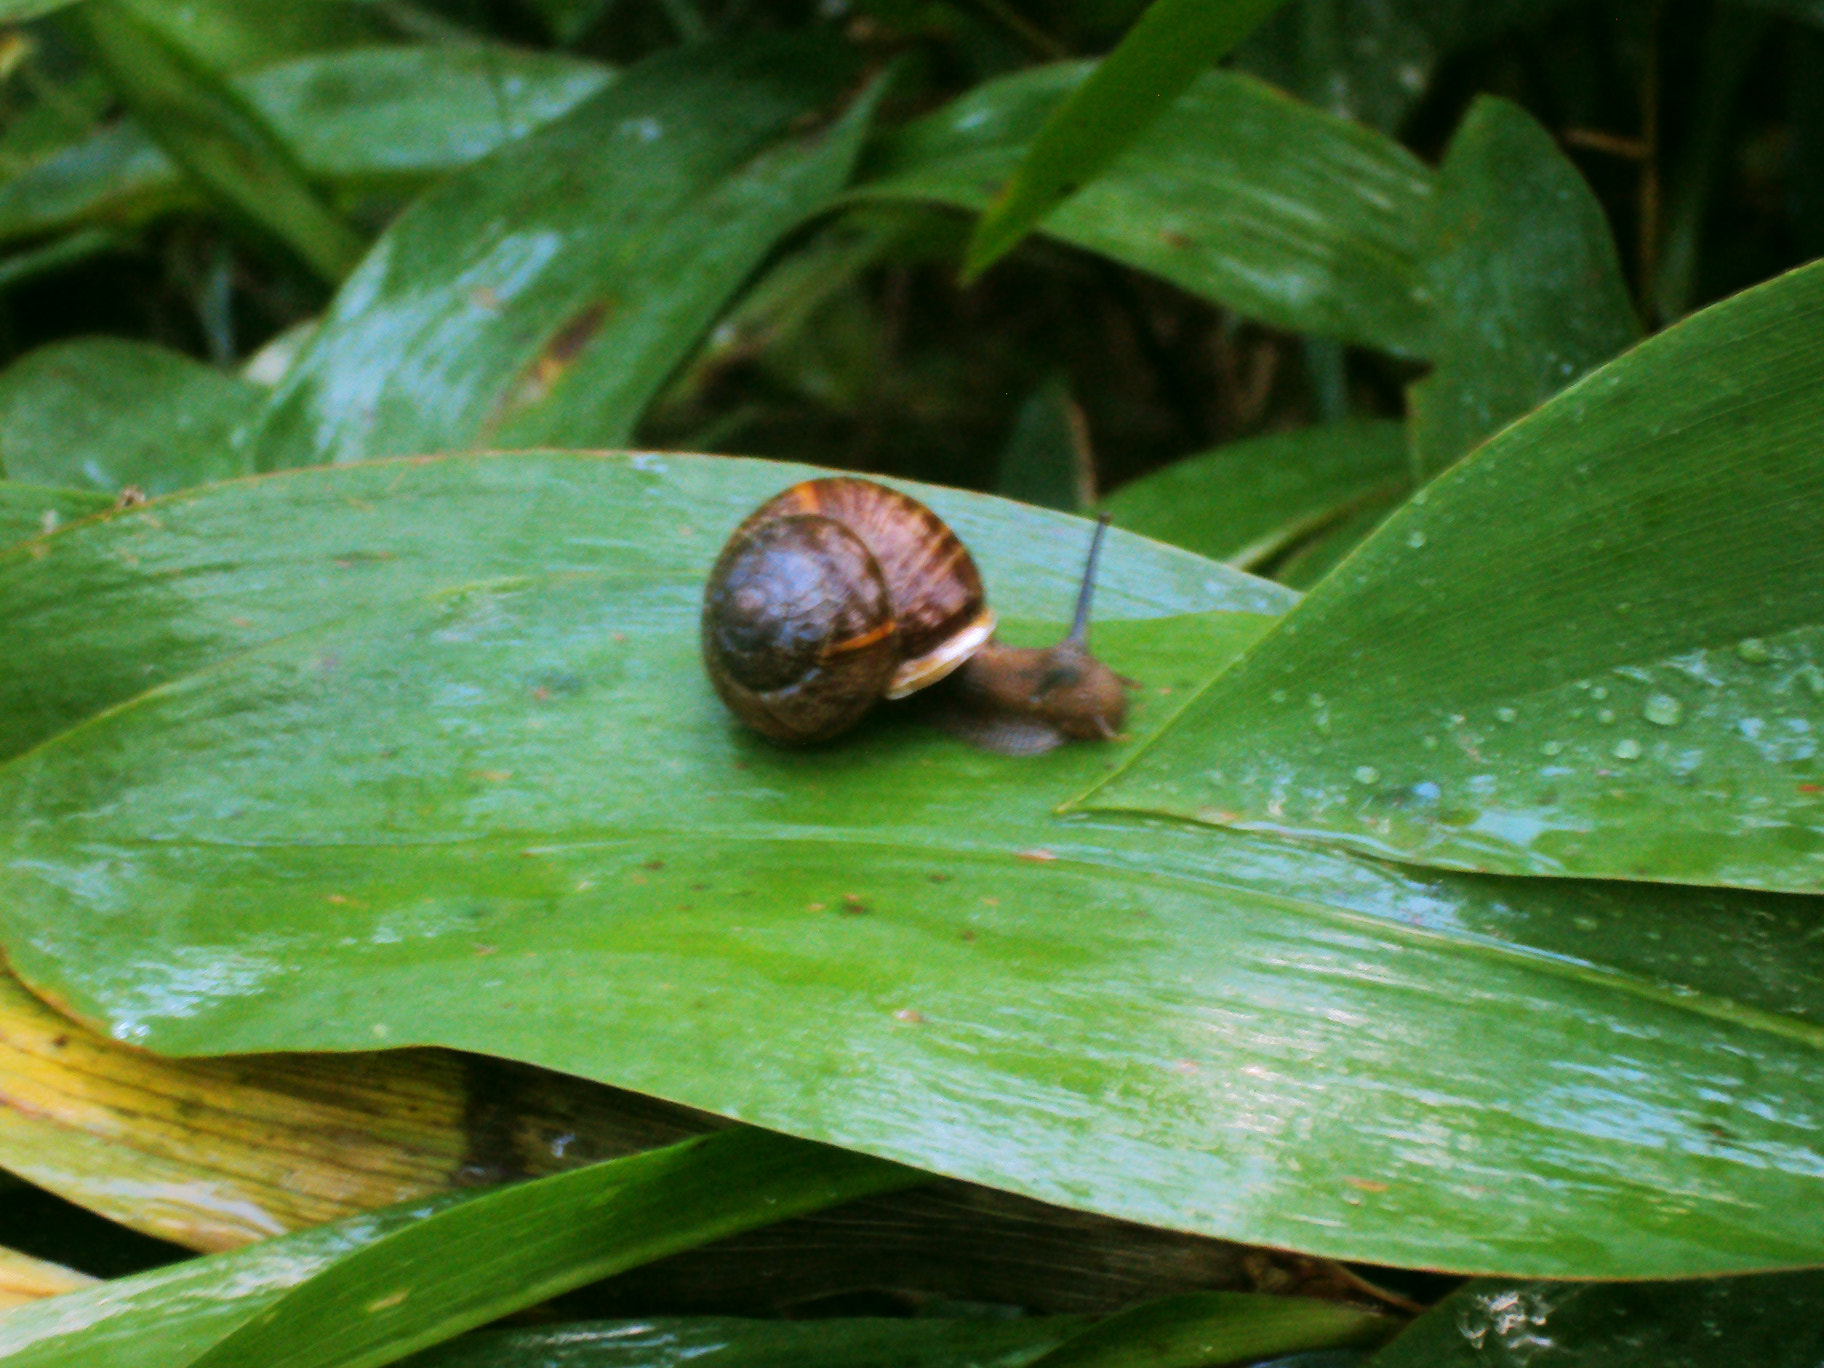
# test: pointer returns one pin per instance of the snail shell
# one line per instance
(831, 596)
(840, 592)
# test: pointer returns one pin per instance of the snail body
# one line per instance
(840, 592)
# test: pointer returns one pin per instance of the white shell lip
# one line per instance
(913, 675)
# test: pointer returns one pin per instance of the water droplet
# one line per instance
(1600, 691)
(1583, 921)
(1277, 696)
(1429, 742)
(1753, 650)
(1506, 714)
(1367, 774)
(1316, 700)
(1415, 539)
(1814, 679)
(1553, 748)
(1662, 710)
(1605, 715)
(1627, 749)
(1426, 791)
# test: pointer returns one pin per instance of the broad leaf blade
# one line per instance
(214, 134)
(1217, 1327)
(439, 766)
(1253, 500)
(28, 511)
(1596, 648)
(475, 304)
(104, 413)
(366, 120)
(1237, 194)
(1776, 1321)
(370, 1289)
(1171, 44)
(1523, 274)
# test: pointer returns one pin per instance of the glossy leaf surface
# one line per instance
(724, 1342)
(1237, 194)
(1252, 500)
(1774, 1321)
(438, 766)
(371, 118)
(369, 1289)
(1595, 648)
(214, 134)
(551, 289)
(1522, 270)
(104, 413)
(1217, 1327)
(1172, 43)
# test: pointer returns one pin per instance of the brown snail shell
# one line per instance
(840, 592)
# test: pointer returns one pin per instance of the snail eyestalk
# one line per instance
(1079, 626)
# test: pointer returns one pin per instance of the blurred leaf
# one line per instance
(1250, 501)
(1217, 1327)
(722, 1342)
(1372, 63)
(1237, 194)
(556, 285)
(28, 511)
(438, 765)
(1596, 648)
(12, 11)
(372, 1288)
(214, 134)
(24, 1279)
(1103, 117)
(78, 246)
(1523, 272)
(1047, 460)
(104, 413)
(1774, 1321)
(386, 119)
(1311, 560)
(233, 35)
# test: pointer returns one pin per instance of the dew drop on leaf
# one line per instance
(1662, 710)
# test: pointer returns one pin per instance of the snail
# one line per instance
(840, 592)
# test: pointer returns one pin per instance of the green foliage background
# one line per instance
(380, 382)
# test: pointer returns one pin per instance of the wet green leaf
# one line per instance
(1596, 648)
(1251, 501)
(28, 511)
(366, 1290)
(214, 134)
(1523, 273)
(1776, 1321)
(723, 1342)
(438, 765)
(1237, 193)
(104, 413)
(1217, 1327)
(372, 119)
(551, 289)
(1128, 91)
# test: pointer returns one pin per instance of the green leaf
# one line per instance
(1523, 273)
(28, 511)
(1237, 194)
(438, 765)
(214, 134)
(1171, 44)
(553, 287)
(382, 119)
(1047, 460)
(1776, 1321)
(1217, 1327)
(367, 1290)
(13, 11)
(724, 1342)
(1595, 648)
(1252, 501)
(103, 413)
